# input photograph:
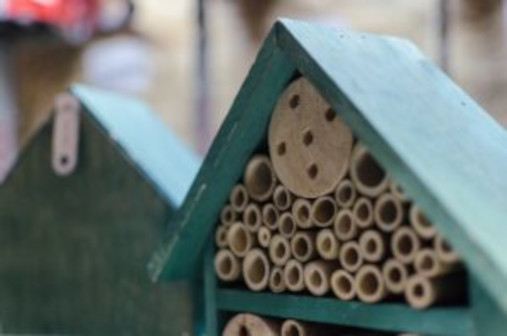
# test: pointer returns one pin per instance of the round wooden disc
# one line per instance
(308, 143)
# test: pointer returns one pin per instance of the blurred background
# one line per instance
(187, 59)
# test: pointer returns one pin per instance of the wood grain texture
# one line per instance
(380, 317)
(74, 249)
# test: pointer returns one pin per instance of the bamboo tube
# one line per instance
(302, 246)
(293, 276)
(369, 284)
(404, 244)
(309, 144)
(350, 256)
(221, 236)
(345, 227)
(421, 225)
(298, 328)
(252, 217)
(444, 250)
(324, 211)
(342, 284)
(259, 177)
(428, 264)
(256, 268)
(363, 213)
(279, 250)
(328, 245)
(369, 178)
(395, 276)
(388, 212)
(239, 239)
(345, 194)
(373, 246)
(251, 325)
(301, 211)
(422, 292)
(286, 225)
(282, 198)
(228, 216)
(397, 192)
(227, 266)
(270, 216)
(276, 281)
(316, 276)
(264, 237)
(239, 198)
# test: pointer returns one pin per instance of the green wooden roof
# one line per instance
(446, 152)
(160, 156)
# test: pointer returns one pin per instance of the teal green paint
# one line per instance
(210, 292)
(380, 317)
(238, 138)
(444, 150)
(489, 318)
(161, 157)
(74, 249)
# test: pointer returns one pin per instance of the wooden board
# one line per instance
(379, 317)
(74, 249)
(446, 152)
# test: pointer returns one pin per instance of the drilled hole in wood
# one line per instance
(294, 101)
(313, 171)
(64, 160)
(281, 149)
(330, 115)
(307, 138)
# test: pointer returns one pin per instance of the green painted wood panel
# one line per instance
(74, 250)
(446, 152)
(240, 135)
(159, 156)
(382, 317)
(489, 318)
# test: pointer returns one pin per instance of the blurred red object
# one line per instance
(76, 19)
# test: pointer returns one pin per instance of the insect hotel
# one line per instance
(79, 216)
(352, 189)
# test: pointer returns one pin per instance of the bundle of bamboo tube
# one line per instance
(354, 234)
(253, 325)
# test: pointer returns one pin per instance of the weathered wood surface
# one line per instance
(444, 150)
(74, 249)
